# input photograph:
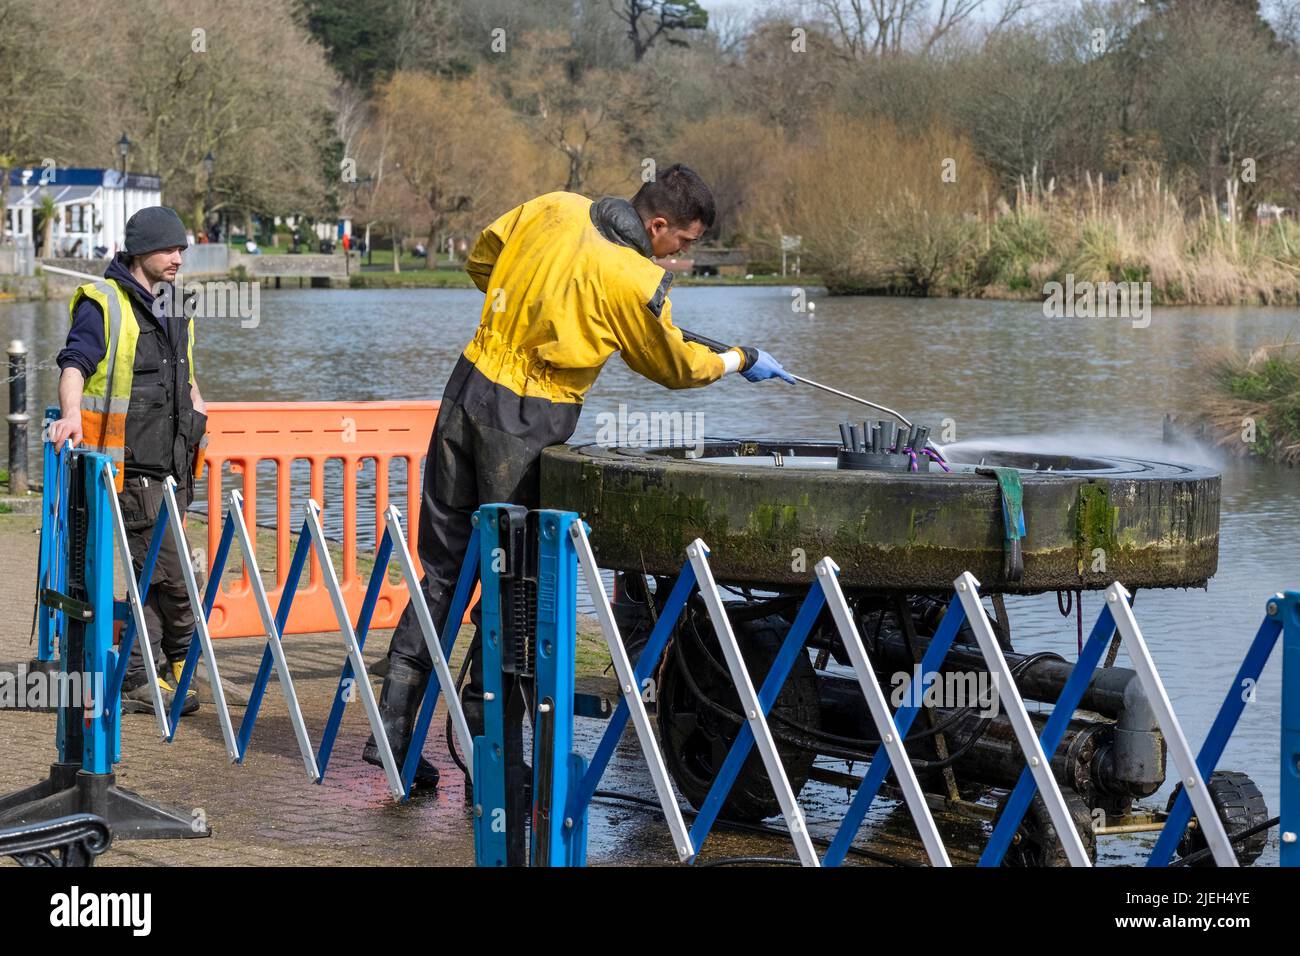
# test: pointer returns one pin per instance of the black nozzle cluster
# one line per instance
(883, 446)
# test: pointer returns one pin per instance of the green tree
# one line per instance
(368, 42)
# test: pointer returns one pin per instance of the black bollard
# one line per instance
(17, 418)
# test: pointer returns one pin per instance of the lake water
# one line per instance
(997, 369)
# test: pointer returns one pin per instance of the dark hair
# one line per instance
(679, 195)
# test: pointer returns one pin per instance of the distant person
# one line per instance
(123, 349)
(569, 282)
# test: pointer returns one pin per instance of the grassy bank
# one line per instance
(884, 218)
(1250, 403)
(1136, 231)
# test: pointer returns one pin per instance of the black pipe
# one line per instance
(1041, 681)
(1134, 765)
(995, 759)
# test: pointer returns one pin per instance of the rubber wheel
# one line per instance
(696, 738)
(1241, 806)
(1036, 842)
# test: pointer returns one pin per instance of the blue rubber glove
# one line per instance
(761, 366)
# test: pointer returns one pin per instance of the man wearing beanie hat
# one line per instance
(127, 389)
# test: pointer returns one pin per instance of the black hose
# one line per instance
(451, 736)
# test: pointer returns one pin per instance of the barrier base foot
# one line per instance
(130, 816)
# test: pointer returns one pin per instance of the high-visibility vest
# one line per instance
(107, 393)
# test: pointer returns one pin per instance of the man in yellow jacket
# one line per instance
(568, 283)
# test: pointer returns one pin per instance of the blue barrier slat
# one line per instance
(645, 664)
(146, 578)
(196, 647)
(791, 647)
(300, 552)
(555, 772)
(98, 733)
(1217, 739)
(1288, 614)
(490, 845)
(875, 776)
(51, 623)
(377, 574)
(1050, 738)
(448, 631)
(50, 501)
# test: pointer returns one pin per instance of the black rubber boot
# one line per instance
(399, 701)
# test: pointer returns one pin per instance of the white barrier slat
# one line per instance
(200, 619)
(393, 519)
(631, 693)
(137, 606)
(273, 636)
(1117, 597)
(391, 770)
(828, 575)
(1039, 765)
(790, 809)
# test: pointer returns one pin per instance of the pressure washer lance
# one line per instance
(719, 347)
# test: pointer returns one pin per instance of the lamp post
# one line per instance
(366, 183)
(123, 147)
(209, 161)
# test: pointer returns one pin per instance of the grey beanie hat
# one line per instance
(154, 228)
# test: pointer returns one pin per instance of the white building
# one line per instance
(92, 207)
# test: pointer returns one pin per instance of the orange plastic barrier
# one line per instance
(245, 433)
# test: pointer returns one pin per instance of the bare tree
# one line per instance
(879, 27)
(1225, 101)
(456, 174)
(648, 20)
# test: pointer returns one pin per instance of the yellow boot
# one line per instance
(177, 668)
(139, 700)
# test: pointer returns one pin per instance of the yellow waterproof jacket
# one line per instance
(562, 298)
